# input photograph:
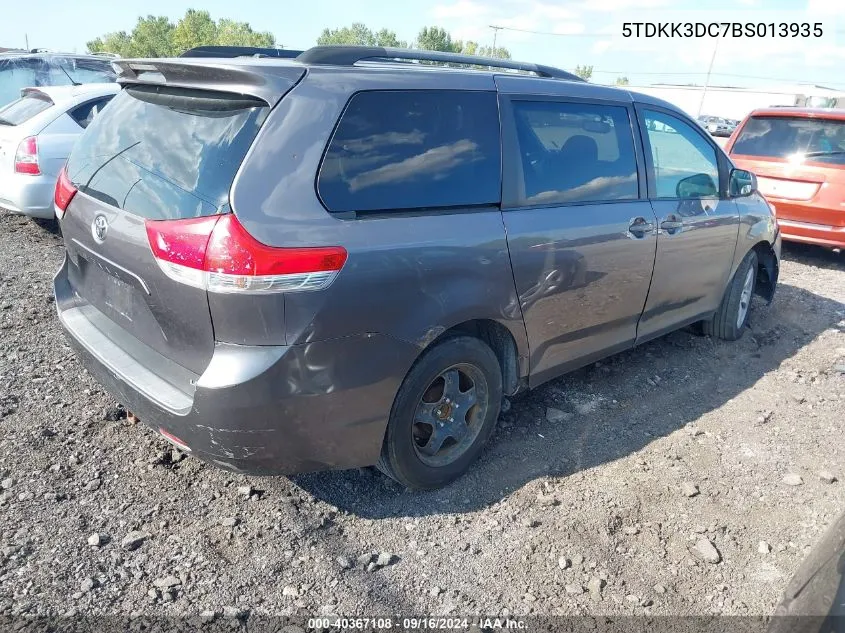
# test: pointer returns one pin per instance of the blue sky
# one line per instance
(566, 32)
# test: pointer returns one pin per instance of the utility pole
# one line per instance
(496, 30)
(26, 39)
(707, 79)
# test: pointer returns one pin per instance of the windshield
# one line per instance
(166, 153)
(23, 109)
(793, 138)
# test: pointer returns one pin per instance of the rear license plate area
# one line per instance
(105, 291)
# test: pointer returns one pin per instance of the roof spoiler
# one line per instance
(349, 55)
(240, 51)
(37, 93)
(266, 82)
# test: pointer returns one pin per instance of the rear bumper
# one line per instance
(820, 234)
(263, 410)
(28, 195)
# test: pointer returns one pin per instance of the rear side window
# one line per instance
(419, 149)
(166, 153)
(86, 112)
(23, 109)
(574, 152)
(782, 137)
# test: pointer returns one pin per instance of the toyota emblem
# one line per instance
(99, 228)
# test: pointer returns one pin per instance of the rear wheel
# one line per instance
(444, 413)
(732, 316)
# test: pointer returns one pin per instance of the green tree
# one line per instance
(117, 42)
(388, 38)
(358, 34)
(158, 37)
(434, 38)
(622, 81)
(584, 72)
(151, 37)
(195, 29)
(231, 33)
(474, 48)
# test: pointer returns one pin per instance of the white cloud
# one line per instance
(477, 33)
(824, 8)
(552, 11)
(463, 18)
(568, 28)
(609, 6)
(460, 9)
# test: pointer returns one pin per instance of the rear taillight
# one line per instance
(64, 193)
(26, 157)
(217, 254)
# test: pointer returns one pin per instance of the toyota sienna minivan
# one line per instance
(350, 258)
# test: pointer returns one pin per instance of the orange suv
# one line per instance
(798, 155)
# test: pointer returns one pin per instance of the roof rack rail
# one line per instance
(240, 51)
(349, 55)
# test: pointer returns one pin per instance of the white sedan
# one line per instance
(37, 133)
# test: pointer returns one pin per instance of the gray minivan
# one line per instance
(349, 258)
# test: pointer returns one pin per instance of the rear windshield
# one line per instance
(819, 140)
(23, 109)
(166, 153)
(63, 70)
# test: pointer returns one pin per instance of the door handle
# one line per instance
(639, 227)
(672, 225)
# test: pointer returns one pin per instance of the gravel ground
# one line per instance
(689, 476)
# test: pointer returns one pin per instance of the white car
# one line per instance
(37, 133)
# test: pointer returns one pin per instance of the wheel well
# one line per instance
(500, 340)
(767, 270)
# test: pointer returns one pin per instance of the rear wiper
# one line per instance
(5, 121)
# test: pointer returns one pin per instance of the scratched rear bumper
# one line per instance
(263, 410)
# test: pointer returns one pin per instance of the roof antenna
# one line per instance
(67, 74)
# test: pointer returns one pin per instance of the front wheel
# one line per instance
(732, 316)
(444, 413)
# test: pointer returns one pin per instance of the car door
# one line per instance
(698, 223)
(580, 230)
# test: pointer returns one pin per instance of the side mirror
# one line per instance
(742, 183)
(697, 186)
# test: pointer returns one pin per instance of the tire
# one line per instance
(422, 416)
(732, 316)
